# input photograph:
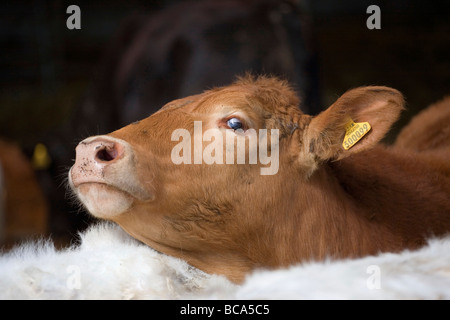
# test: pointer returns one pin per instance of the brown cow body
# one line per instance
(229, 219)
(428, 135)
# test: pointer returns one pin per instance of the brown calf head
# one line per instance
(224, 218)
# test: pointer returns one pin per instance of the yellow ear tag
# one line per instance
(354, 131)
(41, 159)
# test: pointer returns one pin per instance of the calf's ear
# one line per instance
(355, 122)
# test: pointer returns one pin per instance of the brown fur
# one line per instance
(429, 130)
(323, 202)
(26, 210)
(428, 134)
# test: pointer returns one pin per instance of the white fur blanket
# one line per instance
(108, 264)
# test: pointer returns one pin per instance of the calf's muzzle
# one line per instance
(104, 176)
(95, 155)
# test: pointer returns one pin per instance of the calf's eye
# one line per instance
(234, 123)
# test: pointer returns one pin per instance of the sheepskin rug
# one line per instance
(109, 264)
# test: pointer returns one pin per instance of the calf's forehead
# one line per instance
(208, 101)
(258, 106)
(243, 98)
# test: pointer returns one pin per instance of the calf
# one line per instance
(335, 193)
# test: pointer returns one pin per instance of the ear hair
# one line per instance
(379, 106)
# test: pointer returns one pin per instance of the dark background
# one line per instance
(46, 70)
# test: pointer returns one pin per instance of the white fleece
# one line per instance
(109, 264)
(2, 202)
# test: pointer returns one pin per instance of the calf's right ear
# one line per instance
(375, 108)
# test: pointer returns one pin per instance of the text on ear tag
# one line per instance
(354, 131)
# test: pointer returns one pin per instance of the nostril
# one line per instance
(106, 154)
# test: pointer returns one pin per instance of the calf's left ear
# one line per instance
(355, 122)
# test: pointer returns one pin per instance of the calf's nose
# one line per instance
(93, 156)
(101, 150)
